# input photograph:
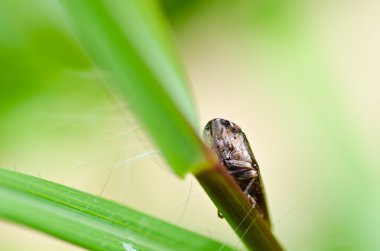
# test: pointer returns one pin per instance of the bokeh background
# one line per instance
(300, 77)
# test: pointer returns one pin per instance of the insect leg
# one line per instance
(252, 200)
(249, 186)
(246, 192)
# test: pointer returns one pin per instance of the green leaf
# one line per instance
(130, 41)
(89, 221)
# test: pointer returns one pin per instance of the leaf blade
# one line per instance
(164, 106)
(87, 220)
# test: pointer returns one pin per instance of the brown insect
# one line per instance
(231, 146)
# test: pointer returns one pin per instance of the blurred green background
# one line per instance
(300, 77)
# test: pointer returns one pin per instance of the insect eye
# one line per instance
(224, 122)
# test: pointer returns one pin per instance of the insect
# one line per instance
(231, 146)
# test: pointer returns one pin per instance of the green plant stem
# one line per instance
(89, 221)
(234, 206)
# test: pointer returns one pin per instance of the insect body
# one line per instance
(230, 144)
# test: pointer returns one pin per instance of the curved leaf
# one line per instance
(129, 40)
(90, 221)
